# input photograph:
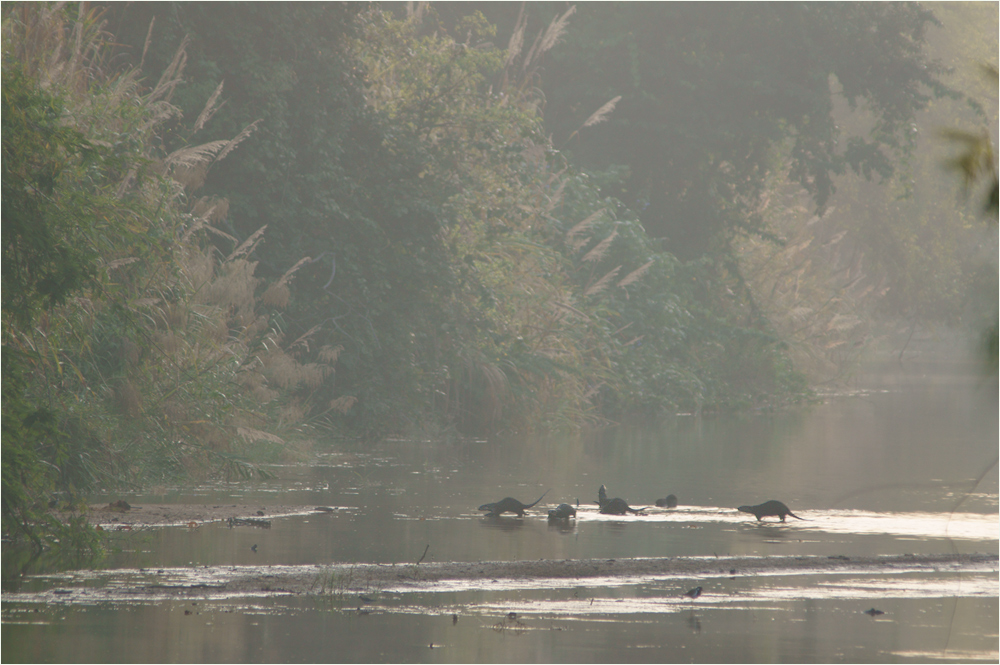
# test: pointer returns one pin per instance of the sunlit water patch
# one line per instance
(966, 526)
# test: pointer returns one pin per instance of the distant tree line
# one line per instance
(229, 227)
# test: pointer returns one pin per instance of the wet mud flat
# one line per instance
(121, 514)
(219, 582)
(412, 577)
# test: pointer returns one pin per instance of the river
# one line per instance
(903, 464)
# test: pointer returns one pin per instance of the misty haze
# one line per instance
(500, 332)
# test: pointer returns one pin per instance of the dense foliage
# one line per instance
(132, 350)
(419, 228)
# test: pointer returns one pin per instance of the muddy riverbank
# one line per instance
(208, 582)
(122, 514)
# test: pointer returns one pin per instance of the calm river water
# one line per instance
(891, 469)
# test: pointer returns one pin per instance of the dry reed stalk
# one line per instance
(303, 339)
(582, 227)
(248, 245)
(329, 354)
(237, 140)
(516, 42)
(145, 46)
(416, 15)
(556, 29)
(602, 283)
(599, 250)
(171, 76)
(601, 114)
(636, 274)
(210, 108)
(195, 155)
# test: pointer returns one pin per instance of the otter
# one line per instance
(770, 508)
(508, 505)
(614, 506)
(563, 511)
(669, 502)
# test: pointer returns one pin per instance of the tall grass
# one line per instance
(173, 361)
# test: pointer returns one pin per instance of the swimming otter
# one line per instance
(614, 506)
(770, 508)
(508, 505)
(562, 512)
(669, 502)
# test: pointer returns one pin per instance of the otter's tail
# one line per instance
(543, 496)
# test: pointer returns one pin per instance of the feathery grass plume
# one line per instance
(602, 283)
(247, 131)
(555, 30)
(601, 114)
(516, 42)
(303, 339)
(162, 111)
(842, 322)
(582, 227)
(329, 354)
(278, 293)
(234, 288)
(205, 212)
(213, 209)
(597, 253)
(171, 76)
(557, 196)
(598, 116)
(636, 274)
(210, 108)
(248, 245)
(416, 15)
(196, 154)
(251, 435)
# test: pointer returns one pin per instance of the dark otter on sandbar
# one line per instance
(563, 511)
(669, 502)
(614, 506)
(770, 508)
(508, 505)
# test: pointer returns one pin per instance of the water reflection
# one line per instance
(876, 473)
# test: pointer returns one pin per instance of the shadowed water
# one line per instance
(901, 468)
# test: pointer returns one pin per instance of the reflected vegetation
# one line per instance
(401, 502)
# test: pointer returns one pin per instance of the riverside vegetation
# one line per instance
(220, 243)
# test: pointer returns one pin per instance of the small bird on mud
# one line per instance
(693, 593)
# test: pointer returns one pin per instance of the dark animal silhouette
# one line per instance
(669, 502)
(693, 593)
(873, 612)
(770, 508)
(508, 505)
(614, 506)
(563, 511)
